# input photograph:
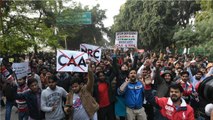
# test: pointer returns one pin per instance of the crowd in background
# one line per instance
(124, 85)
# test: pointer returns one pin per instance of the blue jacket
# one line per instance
(133, 95)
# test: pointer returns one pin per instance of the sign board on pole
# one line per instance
(71, 61)
(70, 18)
(94, 52)
(21, 69)
(126, 39)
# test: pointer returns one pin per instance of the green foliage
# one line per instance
(27, 24)
(186, 37)
(199, 37)
(156, 21)
(92, 34)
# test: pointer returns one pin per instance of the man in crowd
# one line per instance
(33, 100)
(22, 105)
(80, 105)
(187, 86)
(133, 89)
(51, 100)
(173, 107)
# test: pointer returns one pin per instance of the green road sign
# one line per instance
(74, 18)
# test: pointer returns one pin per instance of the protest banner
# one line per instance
(126, 39)
(71, 61)
(21, 69)
(94, 52)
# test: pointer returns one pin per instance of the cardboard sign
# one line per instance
(126, 39)
(74, 61)
(94, 52)
(21, 69)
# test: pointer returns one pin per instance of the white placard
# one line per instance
(21, 69)
(94, 52)
(74, 61)
(126, 39)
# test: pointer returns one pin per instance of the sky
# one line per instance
(112, 8)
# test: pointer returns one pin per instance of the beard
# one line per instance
(76, 91)
(174, 98)
(197, 78)
(133, 79)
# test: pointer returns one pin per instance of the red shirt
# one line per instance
(103, 94)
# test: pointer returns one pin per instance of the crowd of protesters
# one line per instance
(124, 85)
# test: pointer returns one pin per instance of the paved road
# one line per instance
(14, 115)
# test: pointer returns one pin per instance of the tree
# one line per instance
(20, 29)
(199, 36)
(186, 37)
(156, 21)
(92, 34)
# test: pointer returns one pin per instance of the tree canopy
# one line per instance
(156, 21)
(32, 24)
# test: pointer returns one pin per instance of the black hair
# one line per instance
(76, 80)
(30, 81)
(184, 72)
(52, 77)
(176, 86)
(133, 69)
(98, 73)
(147, 68)
(199, 72)
(125, 63)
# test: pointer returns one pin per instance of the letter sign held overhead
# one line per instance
(94, 52)
(71, 61)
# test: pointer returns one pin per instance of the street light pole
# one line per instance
(65, 43)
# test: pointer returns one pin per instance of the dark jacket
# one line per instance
(161, 85)
(64, 81)
(9, 92)
(121, 75)
(32, 104)
(88, 102)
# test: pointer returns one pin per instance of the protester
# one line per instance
(33, 100)
(173, 107)
(162, 69)
(63, 80)
(103, 92)
(80, 105)
(22, 104)
(132, 89)
(9, 90)
(51, 100)
(186, 85)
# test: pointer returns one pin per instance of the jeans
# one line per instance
(9, 106)
(23, 116)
